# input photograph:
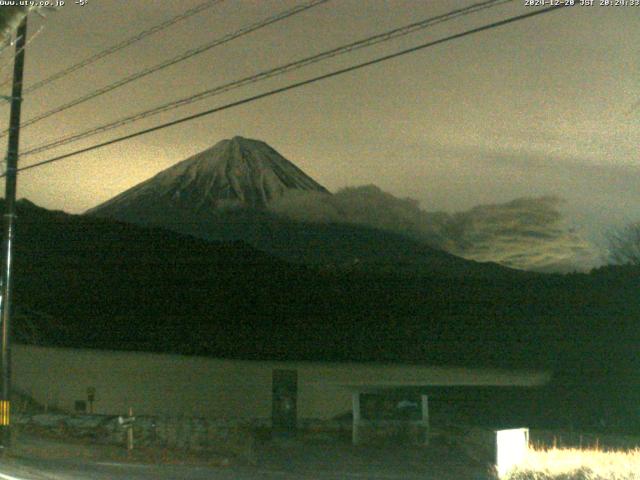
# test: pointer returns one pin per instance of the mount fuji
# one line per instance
(236, 173)
(224, 194)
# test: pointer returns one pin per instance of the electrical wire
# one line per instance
(5, 65)
(294, 85)
(184, 56)
(10, 42)
(40, 11)
(4, 45)
(119, 46)
(366, 42)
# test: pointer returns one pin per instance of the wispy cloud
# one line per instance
(527, 233)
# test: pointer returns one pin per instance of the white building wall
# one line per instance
(159, 384)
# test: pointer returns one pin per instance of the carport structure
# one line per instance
(389, 398)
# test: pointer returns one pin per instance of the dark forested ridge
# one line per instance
(88, 282)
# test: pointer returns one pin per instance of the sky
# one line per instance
(543, 107)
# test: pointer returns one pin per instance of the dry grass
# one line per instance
(578, 464)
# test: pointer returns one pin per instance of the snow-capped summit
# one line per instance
(234, 173)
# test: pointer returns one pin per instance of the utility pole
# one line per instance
(8, 233)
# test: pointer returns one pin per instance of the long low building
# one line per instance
(111, 382)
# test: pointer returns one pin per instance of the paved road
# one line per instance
(70, 470)
(322, 462)
(67, 471)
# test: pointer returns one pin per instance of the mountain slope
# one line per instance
(233, 173)
(97, 283)
(225, 194)
(115, 285)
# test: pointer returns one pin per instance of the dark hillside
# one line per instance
(103, 284)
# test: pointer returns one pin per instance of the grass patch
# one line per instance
(578, 464)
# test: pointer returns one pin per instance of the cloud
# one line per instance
(366, 205)
(526, 233)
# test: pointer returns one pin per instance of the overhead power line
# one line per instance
(292, 86)
(184, 56)
(280, 70)
(9, 41)
(4, 47)
(9, 77)
(125, 43)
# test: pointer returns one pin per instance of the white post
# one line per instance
(425, 417)
(130, 432)
(356, 418)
